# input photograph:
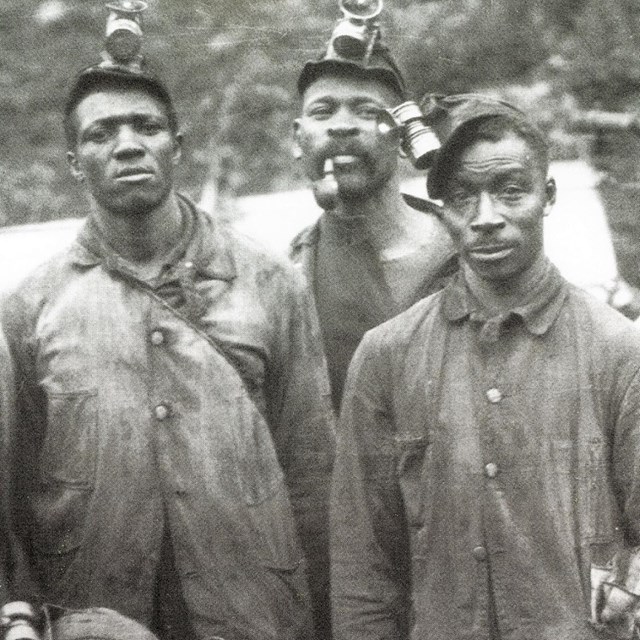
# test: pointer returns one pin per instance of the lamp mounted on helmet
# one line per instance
(357, 31)
(124, 33)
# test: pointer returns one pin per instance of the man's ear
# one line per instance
(74, 167)
(296, 149)
(178, 138)
(550, 191)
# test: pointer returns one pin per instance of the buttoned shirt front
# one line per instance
(195, 402)
(484, 466)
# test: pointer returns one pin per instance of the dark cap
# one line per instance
(379, 66)
(101, 75)
(449, 116)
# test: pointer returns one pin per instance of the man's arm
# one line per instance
(17, 581)
(616, 587)
(369, 536)
(302, 423)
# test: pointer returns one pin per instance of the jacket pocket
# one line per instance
(265, 493)
(58, 514)
(414, 455)
(69, 450)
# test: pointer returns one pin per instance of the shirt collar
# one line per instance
(203, 246)
(538, 311)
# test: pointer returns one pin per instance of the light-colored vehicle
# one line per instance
(577, 236)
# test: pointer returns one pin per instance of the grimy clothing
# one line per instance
(192, 406)
(484, 467)
(355, 290)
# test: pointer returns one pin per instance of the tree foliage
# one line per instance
(232, 66)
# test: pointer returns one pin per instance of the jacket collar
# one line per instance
(204, 245)
(538, 311)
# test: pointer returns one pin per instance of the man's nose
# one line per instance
(487, 218)
(343, 125)
(127, 142)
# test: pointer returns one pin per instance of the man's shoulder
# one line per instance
(304, 239)
(249, 255)
(409, 327)
(605, 327)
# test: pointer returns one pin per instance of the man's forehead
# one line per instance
(510, 151)
(341, 86)
(113, 102)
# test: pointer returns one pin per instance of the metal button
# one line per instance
(157, 338)
(491, 470)
(161, 412)
(479, 553)
(494, 395)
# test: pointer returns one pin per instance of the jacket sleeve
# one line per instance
(369, 539)
(17, 578)
(302, 423)
(615, 585)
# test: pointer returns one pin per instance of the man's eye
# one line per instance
(150, 128)
(512, 192)
(369, 112)
(320, 112)
(460, 197)
(97, 135)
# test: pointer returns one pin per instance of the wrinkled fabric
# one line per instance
(355, 290)
(481, 473)
(98, 623)
(194, 403)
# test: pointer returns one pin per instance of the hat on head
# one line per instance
(98, 75)
(122, 62)
(449, 117)
(98, 624)
(379, 65)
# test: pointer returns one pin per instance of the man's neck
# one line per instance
(143, 238)
(500, 296)
(384, 217)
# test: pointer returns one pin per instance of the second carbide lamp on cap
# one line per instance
(355, 34)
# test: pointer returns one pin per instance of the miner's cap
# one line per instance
(95, 77)
(379, 66)
(450, 116)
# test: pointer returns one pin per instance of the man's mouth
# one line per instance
(490, 252)
(133, 175)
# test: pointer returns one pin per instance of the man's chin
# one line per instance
(133, 206)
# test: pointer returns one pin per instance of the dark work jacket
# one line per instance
(194, 404)
(352, 290)
(487, 470)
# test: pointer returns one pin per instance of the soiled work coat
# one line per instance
(355, 289)
(193, 404)
(486, 469)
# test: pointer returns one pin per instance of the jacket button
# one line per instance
(161, 412)
(491, 470)
(157, 338)
(480, 554)
(494, 396)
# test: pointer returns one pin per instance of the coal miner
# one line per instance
(373, 252)
(174, 439)
(487, 480)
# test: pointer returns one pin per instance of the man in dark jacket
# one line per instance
(372, 253)
(487, 482)
(173, 441)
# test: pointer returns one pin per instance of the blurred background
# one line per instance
(232, 66)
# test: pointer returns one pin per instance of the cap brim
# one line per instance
(313, 69)
(422, 205)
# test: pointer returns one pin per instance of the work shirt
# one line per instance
(485, 468)
(192, 406)
(355, 289)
